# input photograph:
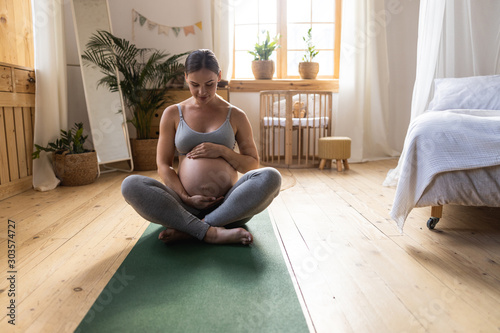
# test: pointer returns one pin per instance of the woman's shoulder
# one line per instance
(237, 112)
(171, 113)
(171, 109)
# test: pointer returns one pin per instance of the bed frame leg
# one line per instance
(437, 211)
(436, 214)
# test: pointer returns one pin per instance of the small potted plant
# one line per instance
(73, 163)
(307, 68)
(262, 66)
(144, 74)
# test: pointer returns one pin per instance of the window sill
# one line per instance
(282, 84)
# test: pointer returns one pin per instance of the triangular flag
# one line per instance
(142, 19)
(176, 30)
(163, 29)
(189, 30)
(199, 25)
(151, 25)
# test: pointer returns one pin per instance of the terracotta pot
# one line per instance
(263, 69)
(76, 169)
(144, 154)
(308, 70)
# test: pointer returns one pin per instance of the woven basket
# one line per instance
(263, 69)
(144, 154)
(76, 169)
(308, 70)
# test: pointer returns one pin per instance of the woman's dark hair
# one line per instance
(200, 59)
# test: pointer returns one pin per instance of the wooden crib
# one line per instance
(291, 122)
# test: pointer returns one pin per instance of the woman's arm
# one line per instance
(165, 152)
(247, 159)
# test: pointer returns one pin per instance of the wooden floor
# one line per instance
(353, 271)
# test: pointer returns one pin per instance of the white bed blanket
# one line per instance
(303, 122)
(442, 141)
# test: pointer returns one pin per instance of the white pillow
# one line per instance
(476, 92)
(311, 104)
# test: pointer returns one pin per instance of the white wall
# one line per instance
(172, 13)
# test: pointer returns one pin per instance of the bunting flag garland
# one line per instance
(189, 30)
(176, 31)
(162, 29)
(152, 25)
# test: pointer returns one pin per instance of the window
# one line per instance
(291, 19)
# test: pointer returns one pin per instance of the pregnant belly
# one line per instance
(207, 176)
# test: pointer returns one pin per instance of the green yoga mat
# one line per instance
(198, 287)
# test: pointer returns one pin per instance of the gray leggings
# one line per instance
(157, 203)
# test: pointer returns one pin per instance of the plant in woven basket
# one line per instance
(73, 163)
(142, 75)
(71, 142)
(307, 68)
(262, 66)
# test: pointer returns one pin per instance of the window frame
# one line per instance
(281, 52)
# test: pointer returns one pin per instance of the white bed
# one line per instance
(452, 152)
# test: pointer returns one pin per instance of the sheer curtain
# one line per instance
(363, 94)
(51, 98)
(222, 38)
(457, 38)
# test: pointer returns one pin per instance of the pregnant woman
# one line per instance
(204, 199)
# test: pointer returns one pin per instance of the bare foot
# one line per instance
(170, 235)
(219, 235)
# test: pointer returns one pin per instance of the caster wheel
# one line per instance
(431, 223)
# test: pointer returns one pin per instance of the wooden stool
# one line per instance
(334, 148)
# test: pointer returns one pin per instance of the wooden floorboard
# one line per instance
(352, 269)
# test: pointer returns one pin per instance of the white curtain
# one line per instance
(456, 38)
(363, 93)
(51, 98)
(222, 30)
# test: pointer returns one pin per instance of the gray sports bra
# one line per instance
(186, 138)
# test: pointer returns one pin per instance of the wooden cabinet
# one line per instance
(178, 95)
(17, 119)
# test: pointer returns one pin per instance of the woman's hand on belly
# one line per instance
(205, 150)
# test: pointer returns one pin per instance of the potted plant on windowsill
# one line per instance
(73, 163)
(307, 68)
(262, 66)
(142, 75)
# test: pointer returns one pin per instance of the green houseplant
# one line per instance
(308, 69)
(73, 163)
(142, 75)
(262, 66)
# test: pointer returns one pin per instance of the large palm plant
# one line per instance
(141, 73)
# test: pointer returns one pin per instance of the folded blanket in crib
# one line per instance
(442, 141)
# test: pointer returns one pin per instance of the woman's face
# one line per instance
(203, 84)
